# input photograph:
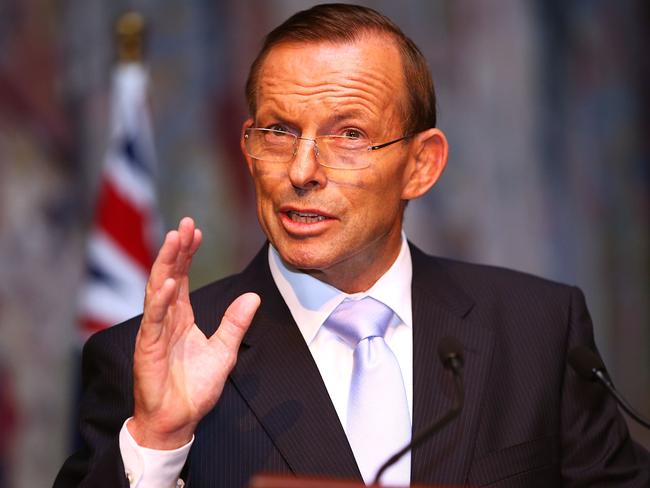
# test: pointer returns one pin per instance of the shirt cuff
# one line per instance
(151, 468)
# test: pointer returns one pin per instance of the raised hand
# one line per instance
(179, 373)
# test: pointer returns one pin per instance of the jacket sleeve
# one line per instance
(107, 401)
(596, 446)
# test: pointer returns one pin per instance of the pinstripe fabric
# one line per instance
(106, 403)
(527, 421)
(438, 311)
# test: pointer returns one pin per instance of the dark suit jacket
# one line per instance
(528, 421)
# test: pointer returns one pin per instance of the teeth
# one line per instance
(305, 218)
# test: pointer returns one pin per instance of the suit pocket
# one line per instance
(538, 455)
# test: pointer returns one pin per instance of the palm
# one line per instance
(180, 373)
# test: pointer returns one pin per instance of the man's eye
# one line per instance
(278, 127)
(353, 134)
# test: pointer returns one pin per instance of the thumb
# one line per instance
(235, 322)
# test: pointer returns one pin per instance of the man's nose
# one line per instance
(304, 170)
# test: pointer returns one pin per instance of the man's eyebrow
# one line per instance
(274, 114)
(347, 115)
(268, 114)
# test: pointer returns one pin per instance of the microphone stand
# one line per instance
(438, 425)
(590, 367)
(605, 381)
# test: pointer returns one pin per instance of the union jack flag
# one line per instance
(126, 225)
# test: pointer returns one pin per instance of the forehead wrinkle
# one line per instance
(355, 98)
(340, 108)
(375, 82)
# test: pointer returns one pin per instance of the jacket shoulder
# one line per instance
(483, 279)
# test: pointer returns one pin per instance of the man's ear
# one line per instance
(427, 160)
(249, 161)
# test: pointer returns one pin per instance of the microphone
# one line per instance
(450, 352)
(590, 367)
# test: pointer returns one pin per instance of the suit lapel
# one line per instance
(441, 308)
(278, 378)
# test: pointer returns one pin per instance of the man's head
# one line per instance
(343, 23)
(333, 206)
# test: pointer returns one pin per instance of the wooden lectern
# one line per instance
(284, 481)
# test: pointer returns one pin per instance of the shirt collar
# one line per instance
(311, 301)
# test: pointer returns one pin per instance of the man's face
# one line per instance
(340, 225)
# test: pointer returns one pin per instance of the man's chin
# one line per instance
(303, 263)
(303, 257)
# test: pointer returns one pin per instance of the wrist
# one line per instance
(152, 438)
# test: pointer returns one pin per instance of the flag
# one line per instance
(126, 226)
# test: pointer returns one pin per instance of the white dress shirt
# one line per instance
(310, 302)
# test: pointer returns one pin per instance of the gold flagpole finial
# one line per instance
(129, 33)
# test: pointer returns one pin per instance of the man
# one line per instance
(341, 136)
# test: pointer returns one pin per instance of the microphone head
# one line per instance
(585, 362)
(450, 352)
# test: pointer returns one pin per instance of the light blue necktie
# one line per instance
(378, 420)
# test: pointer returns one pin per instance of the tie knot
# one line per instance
(356, 320)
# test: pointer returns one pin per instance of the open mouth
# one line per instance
(305, 217)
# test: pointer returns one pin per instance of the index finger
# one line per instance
(175, 255)
(163, 265)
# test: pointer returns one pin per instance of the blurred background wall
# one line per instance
(545, 104)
